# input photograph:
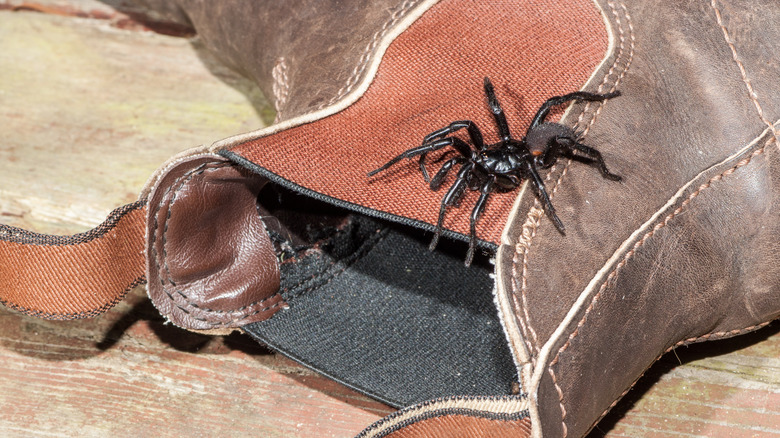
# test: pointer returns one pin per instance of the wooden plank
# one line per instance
(93, 110)
(121, 14)
(93, 378)
(727, 388)
(88, 111)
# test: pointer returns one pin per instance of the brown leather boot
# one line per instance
(651, 280)
(683, 249)
(341, 278)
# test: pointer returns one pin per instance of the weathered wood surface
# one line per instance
(87, 112)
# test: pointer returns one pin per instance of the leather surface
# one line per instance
(211, 263)
(685, 248)
(304, 54)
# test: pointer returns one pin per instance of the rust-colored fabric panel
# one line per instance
(71, 277)
(464, 426)
(430, 76)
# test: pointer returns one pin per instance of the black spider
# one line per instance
(502, 166)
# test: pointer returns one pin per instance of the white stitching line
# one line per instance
(533, 220)
(243, 312)
(649, 234)
(632, 45)
(754, 98)
(546, 350)
(349, 98)
(281, 86)
(535, 213)
(748, 84)
(368, 51)
(523, 321)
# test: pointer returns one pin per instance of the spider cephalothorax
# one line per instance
(504, 165)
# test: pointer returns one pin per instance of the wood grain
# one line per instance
(88, 111)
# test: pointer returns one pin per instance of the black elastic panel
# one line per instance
(379, 312)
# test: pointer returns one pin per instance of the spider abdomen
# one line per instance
(539, 137)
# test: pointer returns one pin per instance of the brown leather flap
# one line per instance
(211, 262)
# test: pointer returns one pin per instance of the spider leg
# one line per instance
(423, 170)
(539, 185)
(461, 146)
(591, 153)
(474, 133)
(452, 197)
(487, 189)
(549, 155)
(438, 179)
(579, 96)
(498, 112)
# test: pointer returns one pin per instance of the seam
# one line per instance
(514, 417)
(524, 320)
(599, 107)
(365, 58)
(350, 98)
(581, 303)
(624, 56)
(192, 306)
(558, 390)
(12, 234)
(281, 86)
(717, 335)
(533, 219)
(742, 71)
(330, 274)
(478, 402)
(629, 255)
(630, 57)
